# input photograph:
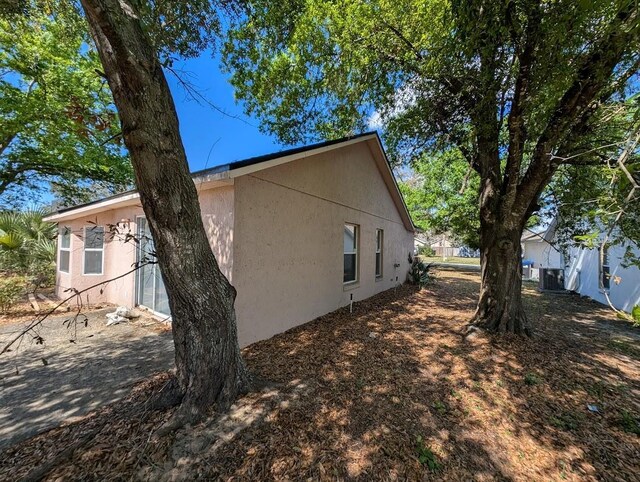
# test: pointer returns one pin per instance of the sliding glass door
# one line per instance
(150, 291)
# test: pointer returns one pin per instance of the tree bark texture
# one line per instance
(210, 370)
(499, 306)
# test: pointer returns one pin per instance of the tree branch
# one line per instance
(75, 294)
(595, 69)
(516, 122)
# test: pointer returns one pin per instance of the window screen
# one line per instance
(379, 241)
(93, 249)
(64, 256)
(350, 253)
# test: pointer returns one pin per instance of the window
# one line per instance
(93, 249)
(604, 260)
(64, 242)
(379, 241)
(350, 253)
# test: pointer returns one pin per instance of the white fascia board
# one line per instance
(89, 209)
(202, 183)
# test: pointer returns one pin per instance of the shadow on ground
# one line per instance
(42, 386)
(493, 408)
(355, 392)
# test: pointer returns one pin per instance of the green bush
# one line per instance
(419, 274)
(426, 251)
(11, 289)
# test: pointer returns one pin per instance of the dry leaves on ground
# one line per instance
(392, 392)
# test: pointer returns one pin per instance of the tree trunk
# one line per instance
(500, 301)
(210, 370)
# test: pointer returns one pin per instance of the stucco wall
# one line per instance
(542, 254)
(217, 213)
(288, 251)
(582, 276)
(118, 259)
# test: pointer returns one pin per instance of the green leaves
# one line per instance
(25, 240)
(442, 196)
(58, 119)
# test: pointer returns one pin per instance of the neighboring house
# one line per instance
(299, 233)
(418, 243)
(582, 275)
(445, 248)
(539, 252)
(581, 267)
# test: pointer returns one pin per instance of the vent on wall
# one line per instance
(551, 279)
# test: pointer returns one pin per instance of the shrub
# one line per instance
(419, 274)
(11, 289)
(427, 251)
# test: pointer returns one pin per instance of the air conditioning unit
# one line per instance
(551, 279)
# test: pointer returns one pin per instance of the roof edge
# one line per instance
(244, 166)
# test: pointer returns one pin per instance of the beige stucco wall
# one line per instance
(119, 256)
(288, 250)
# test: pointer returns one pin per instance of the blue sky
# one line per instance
(210, 137)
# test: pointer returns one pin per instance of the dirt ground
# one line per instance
(75, 370)
(390, 392)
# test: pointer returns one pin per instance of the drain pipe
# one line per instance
(351, 304)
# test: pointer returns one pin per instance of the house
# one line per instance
(299, 233)
(539, 251)
(445, 248)
(581, 268)
(419, 242)
(619, 283)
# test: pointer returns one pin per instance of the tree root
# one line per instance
(189, 413)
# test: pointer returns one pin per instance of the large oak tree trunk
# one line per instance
(499, 306)
(210, 370)
(500, 301)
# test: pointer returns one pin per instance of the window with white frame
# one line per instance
(64, 244)
(350, 253)
(93, 249)
(379, 241)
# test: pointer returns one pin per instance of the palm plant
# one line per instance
(27, 243)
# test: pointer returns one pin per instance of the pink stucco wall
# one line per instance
(278, 236)
(289, 220)
(217, 208)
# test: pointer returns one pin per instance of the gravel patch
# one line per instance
(44, 385)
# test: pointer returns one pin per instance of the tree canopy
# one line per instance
(59, 124)
(442, 196)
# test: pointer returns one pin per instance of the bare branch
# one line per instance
(75, 294)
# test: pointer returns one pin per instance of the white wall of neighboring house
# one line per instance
(582, 276)
(543, 255)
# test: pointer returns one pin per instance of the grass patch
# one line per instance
(629, 423)
(426, 456)
(566, 421)
(625, 347)
(531, 379)
(451, 259)
(440, 407)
